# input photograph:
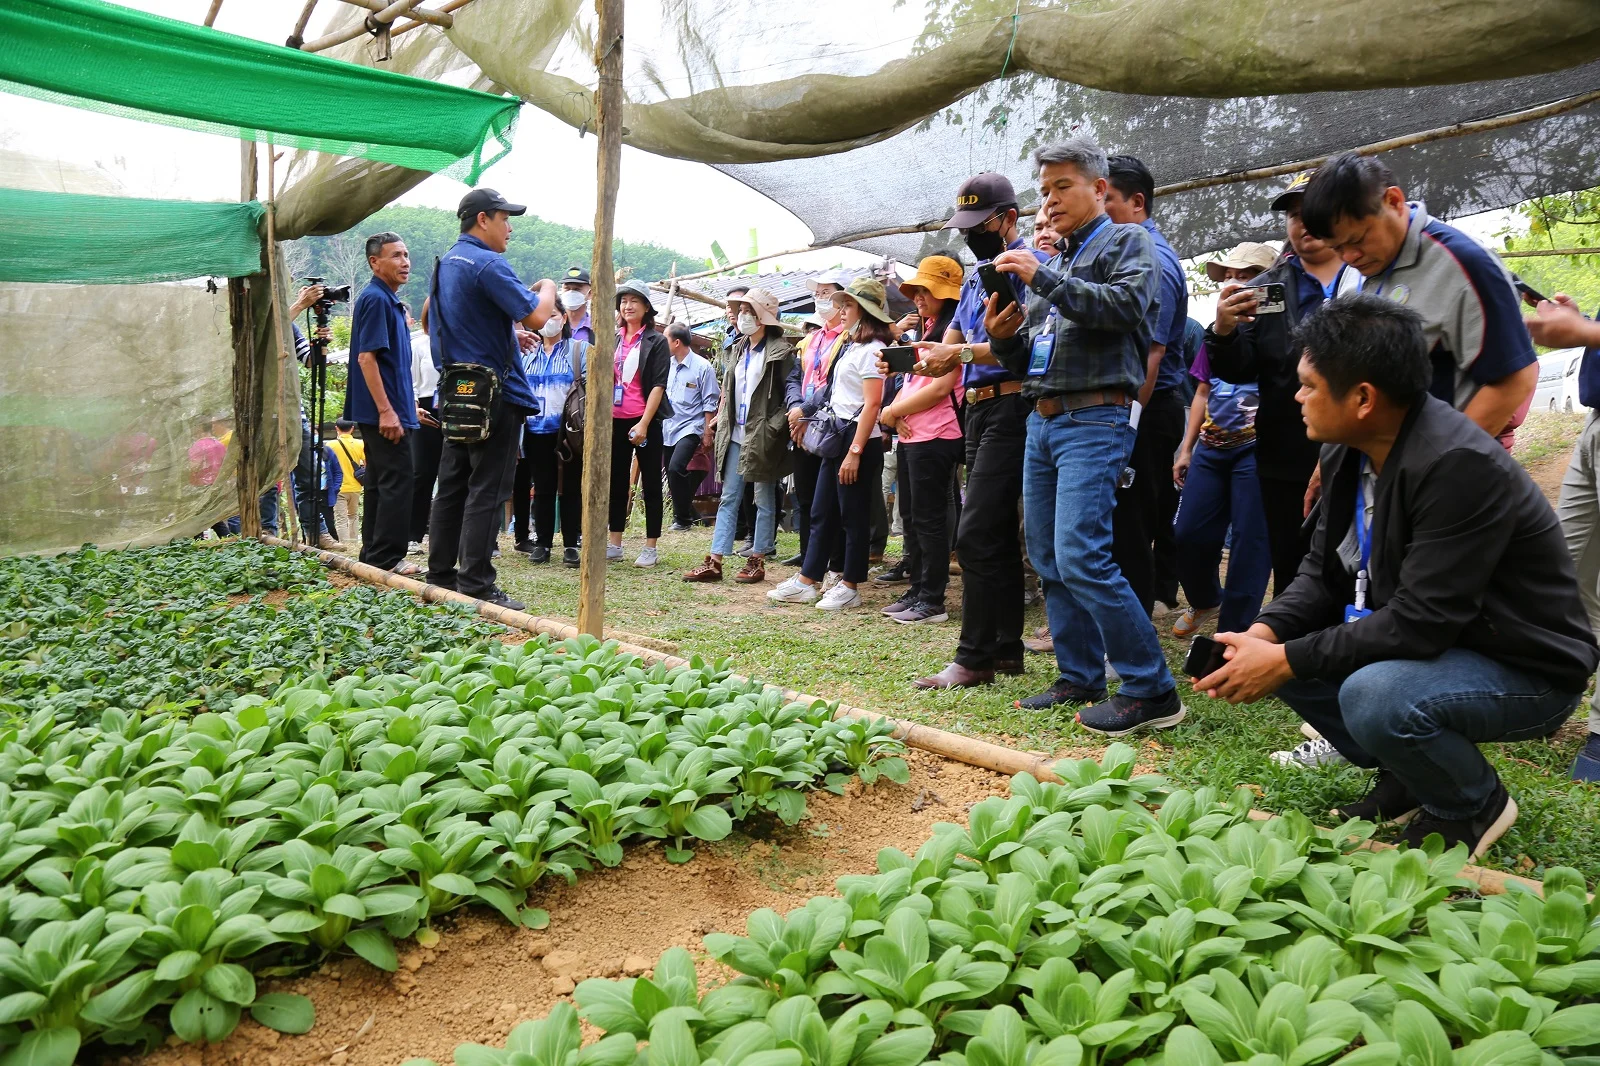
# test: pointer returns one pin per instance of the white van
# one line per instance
(1558, 381)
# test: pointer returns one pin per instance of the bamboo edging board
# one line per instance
(969, 750)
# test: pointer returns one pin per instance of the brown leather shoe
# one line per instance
(1010, 667)
(955, 565)
(956, 676)
(710, 570)
(753, 570)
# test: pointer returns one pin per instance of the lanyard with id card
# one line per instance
(1359, 609)
(742, 385)
(1045, 343)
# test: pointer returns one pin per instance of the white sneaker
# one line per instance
(417, 547)
(793, 590)
(613, 552)
(1192, 621)
(839, 598)
(1159, 609)
(832, 578)
(648, 557)
(1310, 754)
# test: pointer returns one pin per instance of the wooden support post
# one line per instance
(603, 275)
(211, 15)
(246, 380)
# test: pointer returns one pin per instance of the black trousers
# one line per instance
(683, 481)
(839, 508)
(925, 472)
(880, 513)
(986, 541)
(427, 442)
(622, 453)
(1283, 504)
(474, 479)
(386, 510)
(542, 471)
(1139, 506)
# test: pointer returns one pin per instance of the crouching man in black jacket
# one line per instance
(1438, 608)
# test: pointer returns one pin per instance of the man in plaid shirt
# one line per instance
(1082, 346)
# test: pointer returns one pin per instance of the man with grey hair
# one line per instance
(1082, 346)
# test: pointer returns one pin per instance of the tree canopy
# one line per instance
(1571, 220)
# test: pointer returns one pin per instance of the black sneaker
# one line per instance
(499, 598)
(794, 560)
(1063, 691)
(920, 614)
(894, 575)
(1387, 802)
(524, 546)
(1121, 715)
(903, 603)
(1478, 832)
(538, 554)
(570, 557)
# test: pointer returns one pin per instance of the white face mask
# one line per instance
(825, 309)
(748, 324)
(552, 327)
(572, 299)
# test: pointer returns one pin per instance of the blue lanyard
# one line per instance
(1363, 537)
(1104, 219)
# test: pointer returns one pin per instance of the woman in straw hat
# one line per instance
(855, 396)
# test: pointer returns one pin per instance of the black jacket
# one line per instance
(1466, 553)
(1260, 352)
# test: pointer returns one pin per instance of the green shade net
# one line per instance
(117, 61)
(105, 239)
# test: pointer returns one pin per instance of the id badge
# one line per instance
(743, 408)
(1039, 360)
(811, 393)
(1352, 612)
(616, 394)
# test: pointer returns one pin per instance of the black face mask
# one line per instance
(984, 244)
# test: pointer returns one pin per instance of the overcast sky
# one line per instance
(673, 202)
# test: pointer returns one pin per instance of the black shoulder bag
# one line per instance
(468, 392)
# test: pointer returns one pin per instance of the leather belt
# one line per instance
(1051, 406)
(989, 392)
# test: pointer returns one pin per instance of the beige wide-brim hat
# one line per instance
(762, 304)
(1250, 255)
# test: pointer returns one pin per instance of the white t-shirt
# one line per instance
(746, 375)
(857, 363)
(424, 377)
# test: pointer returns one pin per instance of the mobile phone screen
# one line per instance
(1205, 658)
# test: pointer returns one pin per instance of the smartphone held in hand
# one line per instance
(900, 358)
(997, 284)
(1270, 299)
(1205, 658)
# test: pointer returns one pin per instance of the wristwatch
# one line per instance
(855, 449)
(966, 355)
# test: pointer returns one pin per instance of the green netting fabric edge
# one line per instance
(85, 240)
(117, 61)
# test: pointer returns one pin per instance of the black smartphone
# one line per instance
(900, 358)
(998, 284)
(1205, 658)
(1271, 301)
(1530, 295)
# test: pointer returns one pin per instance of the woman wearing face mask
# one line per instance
(843, 483)
(551, 367)
(752, 442)
(806, 381)
(641, 362)
(931, 443)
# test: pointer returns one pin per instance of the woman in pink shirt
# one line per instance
(932, 444)
(638, 407)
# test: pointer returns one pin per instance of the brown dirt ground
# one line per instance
(1547, 474)
(486, 975)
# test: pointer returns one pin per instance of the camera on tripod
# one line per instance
(331, 294)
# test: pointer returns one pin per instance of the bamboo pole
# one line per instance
(443, 9)
(1548, 251)
(284, 365)
(297, 36)
(211, 15)
(245, 398)
(376, 24)
(687, 294)
(953, 746)
(603, 275)
(388, 12)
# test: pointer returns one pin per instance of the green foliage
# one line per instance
(538, 249)
(1130, 924)
(154, 861)
(1571, 220)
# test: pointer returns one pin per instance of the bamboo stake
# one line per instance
(211, 16)
(953, 746)
(284, 366)
(687, 294)
(297, 37)
(1548, 251)
(245, 381)
(672, 289)
(443, 9)
(375, 24)
(387, 12)
(603, 275)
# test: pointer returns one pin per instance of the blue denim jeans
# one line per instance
(1069, 482)
(1222, 490)
(1424, 719)
(728, 510)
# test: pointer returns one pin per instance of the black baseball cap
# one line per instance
(1293, 191)
(487, 200)
(579, 275)
(979, 198)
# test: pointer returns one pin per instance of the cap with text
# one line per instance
(979, 198)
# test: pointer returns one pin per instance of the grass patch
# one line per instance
(1546, 433)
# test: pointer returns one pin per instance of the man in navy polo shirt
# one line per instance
(380, 400)
(1141, 539)
(477, 302)
(987, 543)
